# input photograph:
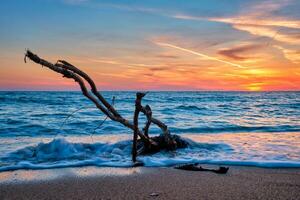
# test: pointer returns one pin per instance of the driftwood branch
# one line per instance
(72, 68)
(197, 167)
(138, 106)
(69, 71)
(148, 122)
(146, 144)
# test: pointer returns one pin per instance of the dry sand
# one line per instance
(150, 183)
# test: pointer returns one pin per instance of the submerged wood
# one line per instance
(142, 143)
(197, 167)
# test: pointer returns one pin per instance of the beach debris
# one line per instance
(142, 142)
(154, 194)
(197, 167)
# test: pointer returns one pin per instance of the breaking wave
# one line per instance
(60, 153)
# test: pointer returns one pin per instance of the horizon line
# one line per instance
(152, 91)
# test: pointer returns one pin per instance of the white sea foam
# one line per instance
(222, 149)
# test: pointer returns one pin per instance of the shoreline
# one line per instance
(150, 183)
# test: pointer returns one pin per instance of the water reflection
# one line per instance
(253, 146)
(49, 174)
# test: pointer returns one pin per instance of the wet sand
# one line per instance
(150, 183)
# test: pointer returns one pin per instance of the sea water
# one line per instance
(63, 129)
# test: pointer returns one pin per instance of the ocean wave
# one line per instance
(60, 153)
(236, 128)
(291, 105)
(189, 107)
(202, 112)
(31, 100)
(59, 114)
(89, 128)
(46, 98)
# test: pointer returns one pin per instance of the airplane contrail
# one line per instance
(199, 54)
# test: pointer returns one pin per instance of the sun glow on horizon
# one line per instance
(241, 46)
(254, 88)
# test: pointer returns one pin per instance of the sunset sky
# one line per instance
(153, 45)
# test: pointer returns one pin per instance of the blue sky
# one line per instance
(107, 37)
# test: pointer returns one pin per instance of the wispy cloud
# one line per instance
(159, 68)
(291, 55)
(259, 20)
(199, 54)
(277, 34)
(236, 53)
(261, 14)
(166, 55)
(115, 62)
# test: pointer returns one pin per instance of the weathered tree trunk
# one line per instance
(143, 145)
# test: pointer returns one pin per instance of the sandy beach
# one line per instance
(150, 183)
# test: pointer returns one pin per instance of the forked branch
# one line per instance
(166, 140)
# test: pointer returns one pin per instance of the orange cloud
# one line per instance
(291, 55)
(236, 52)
